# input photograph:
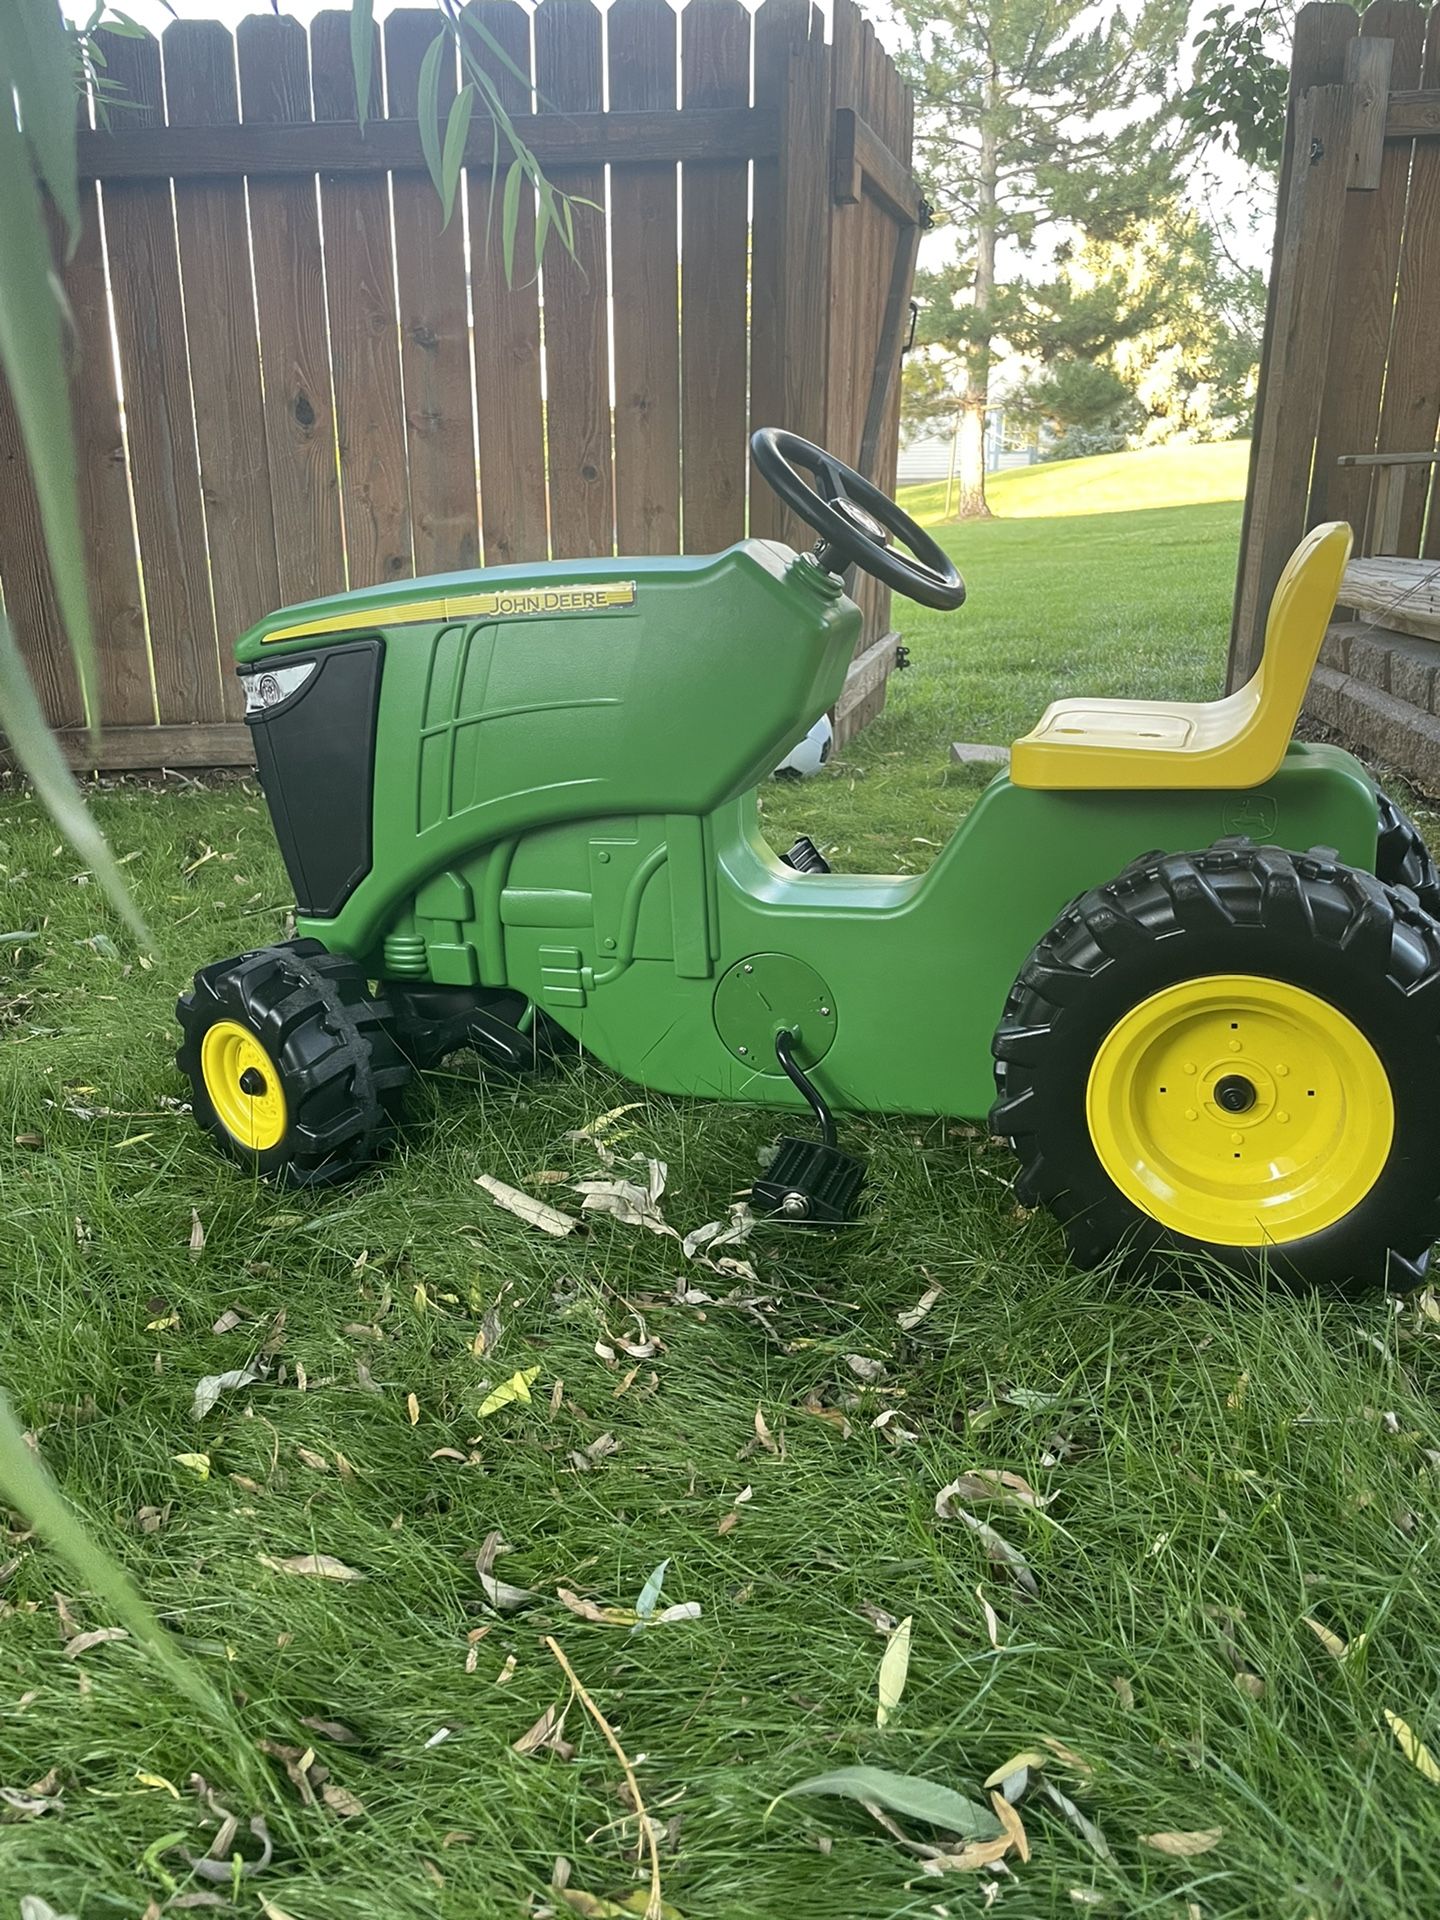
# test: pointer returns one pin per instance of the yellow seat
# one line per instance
(1235, 742)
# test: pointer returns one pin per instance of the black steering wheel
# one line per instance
(856, 521)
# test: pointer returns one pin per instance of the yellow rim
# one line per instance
(1240, 1111)
(244, 1086)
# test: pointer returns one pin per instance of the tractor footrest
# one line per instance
(810, 1184)
(806, 857)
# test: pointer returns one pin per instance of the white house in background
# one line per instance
(927, 457)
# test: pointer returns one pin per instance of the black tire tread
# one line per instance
(1334, 929)
(344, 1076)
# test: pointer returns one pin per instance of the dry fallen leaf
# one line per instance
(1010, 1820)
(1031, 1757)
(412, 1407)
(1124, 1692)
(864, 1368)
(992, 1619)
(763, 1433)
(1337, 1648)
(517, 1387)
(1410, 1744)
(894, 1669)
(535, 1213)
(209, 1390)
(341, 1801)
(546, 1736)
(198, 1463)
(1184, 1846)
(912, 1316)
(101, 1636)
(505, 1599)
(998, 1550)
(601, 1616)
(197, 1233)
(992, 1484)
(319, 1566)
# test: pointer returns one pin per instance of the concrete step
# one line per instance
(1377, 723)
(1395, 663)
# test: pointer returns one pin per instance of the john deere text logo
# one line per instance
(572, 599)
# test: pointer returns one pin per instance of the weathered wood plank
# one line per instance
(133, 749)
(1317, 58)
(126, 690)
(1410, 409)
(568, 79)
(715, 67)
(212, 228)
(844, 406)
(27, 584)
(299, 405)
(778, 26)
(160, 425)
(1304, 280)
(1368, 71)
(581, 140)
(1364, 296)
(642, 36)
(514, 514)
(434, 328)
(1401, 594)
(1413, 114)
(880, 173)
(863, 694)
(364, 338)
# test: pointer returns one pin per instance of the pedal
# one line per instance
(810, 1183)
(806, 857)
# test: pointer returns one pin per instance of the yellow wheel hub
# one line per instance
(1240, 1111)
(244, 1086)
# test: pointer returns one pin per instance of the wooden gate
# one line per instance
(1349, 400)
(291, 376)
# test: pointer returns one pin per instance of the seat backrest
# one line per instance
(1300, 611)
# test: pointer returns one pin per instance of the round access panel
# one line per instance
(765, 994)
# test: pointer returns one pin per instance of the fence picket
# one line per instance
(642, 43)
(160, 426)
(1410, 410)
(274, 60)
(434, 329)
(224, 349)
(715, 70)
(568, 69)
(514, 512)
(364, 339)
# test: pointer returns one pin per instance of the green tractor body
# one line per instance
(1194, 965)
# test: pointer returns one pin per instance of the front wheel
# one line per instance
(293, 1068)
(1232, 1053)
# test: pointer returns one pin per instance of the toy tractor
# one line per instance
(520, 804)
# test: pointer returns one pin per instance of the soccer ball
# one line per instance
(807, 756)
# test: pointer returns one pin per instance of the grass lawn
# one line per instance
(1220, 1472)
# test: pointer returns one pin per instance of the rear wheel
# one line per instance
(1402, 858)
(1232, 1053)
(293, 1068)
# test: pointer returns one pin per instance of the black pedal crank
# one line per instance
(806, 857)
(811, 1183)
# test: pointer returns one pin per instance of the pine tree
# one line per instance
(1033, 114)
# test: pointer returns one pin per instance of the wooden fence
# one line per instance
(1350, 376)
(291, 376)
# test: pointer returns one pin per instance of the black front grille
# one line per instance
(315, 748)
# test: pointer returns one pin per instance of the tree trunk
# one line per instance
(975, 400)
